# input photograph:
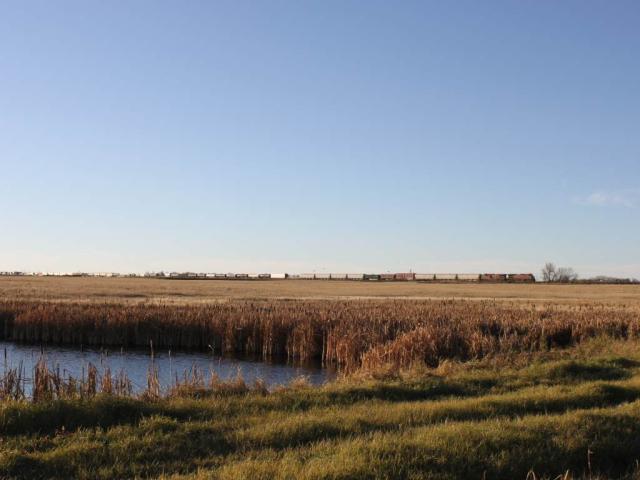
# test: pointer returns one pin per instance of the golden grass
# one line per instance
(199, 291)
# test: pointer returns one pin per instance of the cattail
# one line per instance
(348, 334)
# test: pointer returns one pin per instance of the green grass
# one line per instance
(579, 413)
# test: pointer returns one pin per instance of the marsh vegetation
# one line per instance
(428, 389)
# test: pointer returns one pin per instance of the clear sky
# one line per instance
(327, 135)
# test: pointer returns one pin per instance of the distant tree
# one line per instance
(566, 275)
(549, 272)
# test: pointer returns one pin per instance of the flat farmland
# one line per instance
(86, 289)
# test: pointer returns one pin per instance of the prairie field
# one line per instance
(87, 289)
(437, 381)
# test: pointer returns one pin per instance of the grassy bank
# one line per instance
(575, 410)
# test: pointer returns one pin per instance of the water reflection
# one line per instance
(136, 363)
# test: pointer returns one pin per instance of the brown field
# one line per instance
(198, 291)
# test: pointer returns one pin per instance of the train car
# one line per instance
(264, 276)
(468, 277)
(355, 276)
(278, 276)
(493, 277)
(219, 276)
(241, 276)
(387, 277)
(338, 276)
(307, 276)
(446, 277)
(521, 278)
(404, 277)
(371, 277)
(322, 276)
(425, 277)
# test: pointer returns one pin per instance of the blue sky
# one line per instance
(329, 135)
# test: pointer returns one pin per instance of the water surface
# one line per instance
(136, 364)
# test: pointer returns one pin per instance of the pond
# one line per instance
(136, 363)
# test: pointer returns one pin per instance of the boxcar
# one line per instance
(404, 276)
(371, 276)
(386, 276)
(493, 277)
(338, 276)
(468, 277)
(446, 277)
(425, 277)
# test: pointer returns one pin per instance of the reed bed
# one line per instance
(349, 334)
(46, 383)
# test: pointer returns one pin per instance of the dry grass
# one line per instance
(47, 384)
(350, 334)
(198, 291)
(385, 327)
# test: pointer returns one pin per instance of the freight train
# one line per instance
(423, 277)
(380, 277)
